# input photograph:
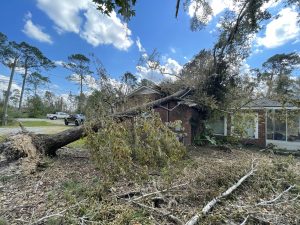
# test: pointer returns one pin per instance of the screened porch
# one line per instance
(283, 128)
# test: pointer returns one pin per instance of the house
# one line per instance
(265, 122)
(178, 109)
(262, 121)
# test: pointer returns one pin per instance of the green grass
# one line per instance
(32, 124)
(78, 144)
(2, 138)
(3, 221)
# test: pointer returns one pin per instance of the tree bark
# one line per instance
(4, 117)
(23, 84)
(136, 110)
(49, 144)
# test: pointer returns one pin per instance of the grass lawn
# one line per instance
(77, 144)
(32, 124)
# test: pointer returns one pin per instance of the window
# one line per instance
(245, 125)
(218, 125)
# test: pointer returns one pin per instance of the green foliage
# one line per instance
(31, 58)
(78, 144)
(3, 221)
(124, 8)
(35, 107)
(277, 73)
(36, 80)
(79, 65)
(205, 137)
(54, 221)
(241, 122)
(132, 148)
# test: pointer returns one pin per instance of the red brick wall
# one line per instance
(181, 112)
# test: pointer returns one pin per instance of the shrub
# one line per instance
(133, 147)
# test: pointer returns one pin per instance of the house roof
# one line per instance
(144, 90)
(266, 103)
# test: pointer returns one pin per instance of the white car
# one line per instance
(57, 115)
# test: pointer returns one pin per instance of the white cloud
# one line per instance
(59, 63)
(257, 51)
(35, 31)
(88, 81)
(82, 17)
(170, 68)
(4, 84)
(270, 4)
(139, 45)
(64, 13)
(217, 6)
(173, 50)
(282, 30)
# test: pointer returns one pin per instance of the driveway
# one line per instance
(41, 130)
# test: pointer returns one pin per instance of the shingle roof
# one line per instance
(265, 102)
(143, 88)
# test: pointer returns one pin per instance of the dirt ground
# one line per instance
(25, 198)
(65, 191)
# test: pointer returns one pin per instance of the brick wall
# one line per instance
(181, 112)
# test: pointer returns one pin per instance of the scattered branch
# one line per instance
(160, 212)
(59, 214)
(245, 220)
(275, 199)
(157, 192)
(195, 219)
(24, 130)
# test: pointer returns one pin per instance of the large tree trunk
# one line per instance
(5, 106)
(21, 146)
(136, 110)
(48, 144)
(23, 85)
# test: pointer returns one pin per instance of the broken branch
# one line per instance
(275, 199)
(160, 212)
(157, 192)
(195, 219)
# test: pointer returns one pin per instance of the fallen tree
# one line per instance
(23, 144)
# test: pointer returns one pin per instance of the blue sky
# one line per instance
(63, 27)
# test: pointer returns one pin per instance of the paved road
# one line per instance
(40, 130)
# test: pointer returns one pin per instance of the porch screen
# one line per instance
(283, 125)
(293, 124)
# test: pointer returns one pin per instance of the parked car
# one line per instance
(76, 119)
(57, 115)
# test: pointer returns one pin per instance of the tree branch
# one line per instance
(195, 219)
(160, 212)
(275, 199)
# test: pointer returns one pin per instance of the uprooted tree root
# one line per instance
(22, 147)
(19, 146)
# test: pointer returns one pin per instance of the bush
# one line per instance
(133, 147)
(36, 107)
